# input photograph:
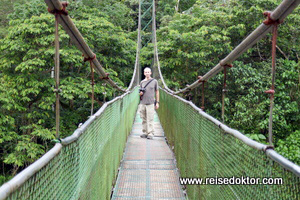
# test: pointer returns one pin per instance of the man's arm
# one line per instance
(157, 99)
(157, 95)
(141, 93)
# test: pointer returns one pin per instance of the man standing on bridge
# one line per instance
(149, 87)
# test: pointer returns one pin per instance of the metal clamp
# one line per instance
(89, 59)
(105, 77)
(269, 20)
(63, 11)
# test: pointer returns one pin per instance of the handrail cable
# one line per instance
(136, 74)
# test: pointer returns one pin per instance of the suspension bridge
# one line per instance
(106, 159)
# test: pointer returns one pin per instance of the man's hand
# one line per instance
(141, 93)
(156, 106)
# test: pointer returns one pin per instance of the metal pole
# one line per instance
(139, 44)
(203, 83)
(223, 95)
(92, 83)
(272, 91)
(56, 58)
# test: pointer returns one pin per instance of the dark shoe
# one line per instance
(150, 137)
(143, 136)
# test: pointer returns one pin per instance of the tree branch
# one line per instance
(261, 58)
(282, 52)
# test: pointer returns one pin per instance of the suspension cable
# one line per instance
(136, 74)
(203, 88)
(270, 21)
(224, 91)
(156, 58)
(57, 75)
(92, 83)
(57, 90)
(92, 79)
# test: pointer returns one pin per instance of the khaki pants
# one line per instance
(147, 115)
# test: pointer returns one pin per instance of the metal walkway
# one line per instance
(148, 169)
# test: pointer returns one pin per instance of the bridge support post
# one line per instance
(155, 57)
(56, 75)
(57, 90)
(224, 90)
(274, 23)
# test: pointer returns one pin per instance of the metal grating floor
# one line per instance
(148, 168)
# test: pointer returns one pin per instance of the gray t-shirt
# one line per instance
(148, 97)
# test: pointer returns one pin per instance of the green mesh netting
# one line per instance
(86, 168)
(203, 150)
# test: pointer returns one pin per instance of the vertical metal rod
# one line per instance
(203, 95)
(139, 44)
(52, 76)
(153, 35)
(271, 120)
(274, 38)
(274, 54)
(104, 93)
(57, 75)
(92, 83)
(223, 94)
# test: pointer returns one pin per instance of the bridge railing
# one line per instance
(85, 164)
(204, 147)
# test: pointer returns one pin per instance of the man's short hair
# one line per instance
(148, 68)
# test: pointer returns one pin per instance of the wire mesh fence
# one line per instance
(87, 167)
(204, 150)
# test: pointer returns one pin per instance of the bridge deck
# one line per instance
(148, 169)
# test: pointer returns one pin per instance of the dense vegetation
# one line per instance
(193, 36)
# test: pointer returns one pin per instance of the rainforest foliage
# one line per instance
(193, 36)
